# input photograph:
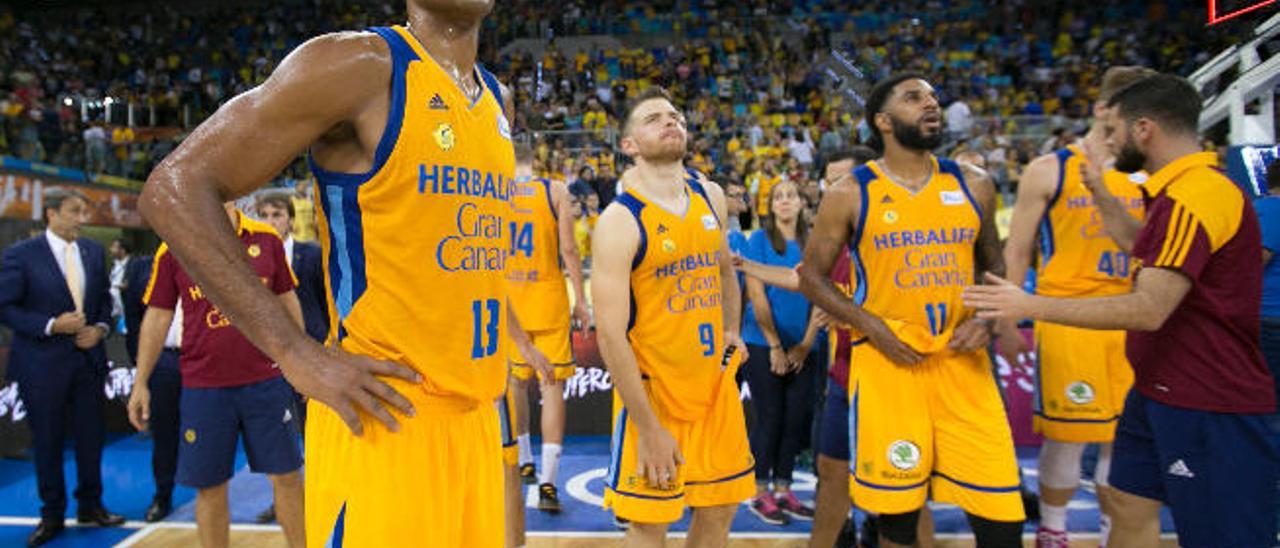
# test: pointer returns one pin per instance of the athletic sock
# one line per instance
(1053, 517)
(526, 449)
(1104, 529)
(550, 463)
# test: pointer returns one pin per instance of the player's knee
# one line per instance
(900, 528)
(1060, 464)
(996, 534)
(834, 471)
(1129, 508)
(648, 533)
(286, 481)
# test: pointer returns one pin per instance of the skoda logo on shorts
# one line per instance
(1080, 393)
(904, 455)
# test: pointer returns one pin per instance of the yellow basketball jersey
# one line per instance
(1077, 258)
(913, 253)
(538, 291)
(415, 249)
(677, 324)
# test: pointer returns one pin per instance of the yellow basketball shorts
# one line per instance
(1081, 383)
(436, 482)
(936, 427)
(718, 467)
(507, 427)
(555, 344)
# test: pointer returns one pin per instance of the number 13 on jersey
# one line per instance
(484, 322)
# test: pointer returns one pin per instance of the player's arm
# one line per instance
(777, 276)
(833, 229)
(519, 337)
(658, 452)
(730, 293)
(241, 147)
(1035, 190)
(151, 335)
(1156, 294)
(1116, 220)
(569, 253)
(293, 306)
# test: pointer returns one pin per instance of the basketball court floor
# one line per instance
(128, 489)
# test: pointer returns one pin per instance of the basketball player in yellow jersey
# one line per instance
(925, 411)
(542, 240)
(414, 164)
(1083, 376)
(666, 307)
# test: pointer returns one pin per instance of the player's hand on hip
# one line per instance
(140, 407)
(884, 340)
(971, 335)
(348, 384)
(998, 299)
(658, 457)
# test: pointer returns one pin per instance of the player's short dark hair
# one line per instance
(647, 94)
(879, 95)
(1120, 77)
(124, 245)
(1171, 101)
(54, 197)
(1273, 174)
(276, 200)
(524, 153)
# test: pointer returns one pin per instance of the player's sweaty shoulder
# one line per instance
(351, 68)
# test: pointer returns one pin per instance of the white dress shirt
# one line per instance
(288, 250)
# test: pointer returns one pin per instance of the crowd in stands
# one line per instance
(750, 74)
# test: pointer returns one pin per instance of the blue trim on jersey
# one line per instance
(504, 421)
(346, 258)
(953, 169)
(729, 477)
(401, 55)
(1082, 421)
(615, 449)
(546, 185)
(339, 527)
(866, 483)
(631, 312)
(1047, 243)
(865, 176)
(702, 191)
(970, 486)
(635, 206)
(1037, 403)
(491, 82)
(853, 431)
(649, 497)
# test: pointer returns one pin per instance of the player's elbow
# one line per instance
(1151, 318)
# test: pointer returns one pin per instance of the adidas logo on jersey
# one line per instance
(437, 103)
(1179, 468)
(662, 228)
(887, 199)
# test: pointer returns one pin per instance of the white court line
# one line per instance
(10, 520)
(138, 535)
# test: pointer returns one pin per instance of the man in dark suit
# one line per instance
(54, 295)
(137, 272)
(276, 209)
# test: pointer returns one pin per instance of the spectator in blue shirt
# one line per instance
(780, 368)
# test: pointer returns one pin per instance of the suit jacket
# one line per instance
(311, 293)
(137, 274)
(34, 291)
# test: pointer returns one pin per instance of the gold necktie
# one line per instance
(74, 276)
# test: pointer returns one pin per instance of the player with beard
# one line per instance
(1194, 431)
(666, 307)
(925, 412)
(413, 161)
(1064, 199)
